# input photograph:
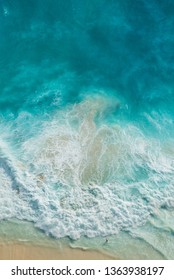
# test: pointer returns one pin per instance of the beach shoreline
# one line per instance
(19, 250)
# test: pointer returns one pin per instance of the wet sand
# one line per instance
(25, 251)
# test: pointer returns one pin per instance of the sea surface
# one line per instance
(87, 122)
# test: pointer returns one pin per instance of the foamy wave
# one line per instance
(80, 176)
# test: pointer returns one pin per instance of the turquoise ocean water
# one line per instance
(87, 121)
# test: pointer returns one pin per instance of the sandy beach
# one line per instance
(23, 251)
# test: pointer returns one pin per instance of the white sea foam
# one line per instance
(80, 176)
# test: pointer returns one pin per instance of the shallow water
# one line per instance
(86, 123)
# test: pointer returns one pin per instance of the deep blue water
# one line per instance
(86, 116)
